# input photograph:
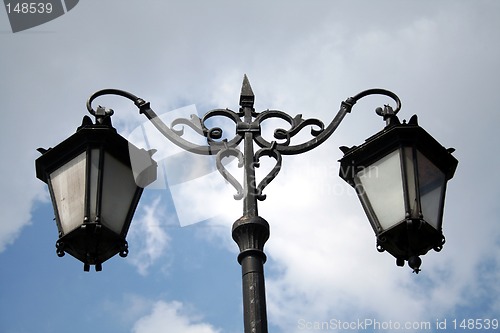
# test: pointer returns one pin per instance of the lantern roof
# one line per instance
(394, 135)
(88, 134)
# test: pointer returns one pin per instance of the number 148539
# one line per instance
(29, 8)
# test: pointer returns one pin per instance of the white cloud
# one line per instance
(171, 317)
(147, 238)
(16, 216)
(126, 309)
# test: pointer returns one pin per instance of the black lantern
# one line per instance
(95, 178)
(400, 177)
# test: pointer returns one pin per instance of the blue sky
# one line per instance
(440, 57)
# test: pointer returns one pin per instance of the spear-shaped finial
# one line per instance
(246, 97)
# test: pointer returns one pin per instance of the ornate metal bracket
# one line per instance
(248, 124)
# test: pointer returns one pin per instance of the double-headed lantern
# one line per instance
(95, 178)
(400, 177)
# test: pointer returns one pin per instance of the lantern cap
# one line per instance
(91, 134)
(394, 135)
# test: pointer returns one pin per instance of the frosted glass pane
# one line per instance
(118, 191)
(431, 205)
(68, 187)
(383, 185)
(93, 182)
(411, 183)
(432, 181)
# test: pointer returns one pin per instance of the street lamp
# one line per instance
(400, 176)
(412, 170)
(95, 178)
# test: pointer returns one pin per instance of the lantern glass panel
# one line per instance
(411, 187)
(431, 185)
(93, 182)
(68, 189)
(119, 189)
(383, 185)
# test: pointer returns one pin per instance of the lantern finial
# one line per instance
(414, 263)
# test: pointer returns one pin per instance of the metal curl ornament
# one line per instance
(228, 152)
(297, 123)
(273, 153)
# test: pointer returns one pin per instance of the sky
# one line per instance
(301, 57)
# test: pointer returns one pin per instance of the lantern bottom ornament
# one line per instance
(93, 244)
(409, 240)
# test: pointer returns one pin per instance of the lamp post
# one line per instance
(403, 199)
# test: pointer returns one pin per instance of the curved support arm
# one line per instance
(297, 123)
(376, 91)
(118, 92)
(175, 135)
(320, 135)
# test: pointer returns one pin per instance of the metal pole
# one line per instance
(251, 232)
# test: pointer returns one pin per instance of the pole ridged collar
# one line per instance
(251, 233)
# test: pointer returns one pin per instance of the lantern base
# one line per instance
(92, 243)
(408, 240)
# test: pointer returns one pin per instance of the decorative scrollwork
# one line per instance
(270, 152)
(194, 123)
(214, 134)
(228, 152)
(248, 129)
(297, 123)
